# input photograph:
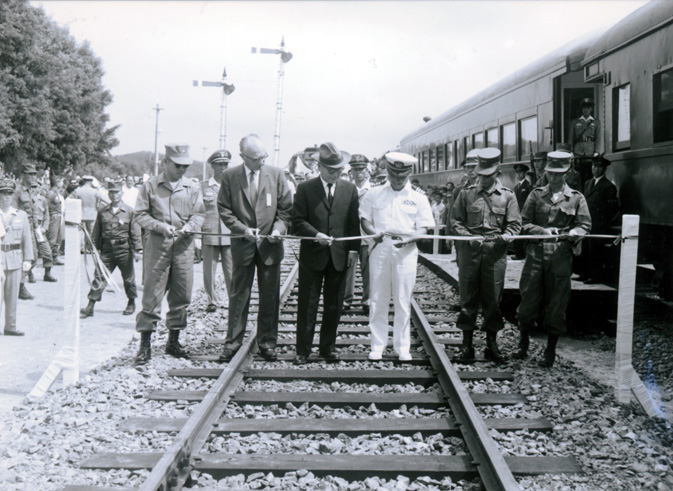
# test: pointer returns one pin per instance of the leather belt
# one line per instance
(117, 241)
(10, 247)
(588, 139)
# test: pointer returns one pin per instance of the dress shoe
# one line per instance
(269, 354)
(14, 333)
(58, 262)
(86, 312)
(48, 277)
(375, 355)
(346, 307)
(331, 357)
(299, 360)
(24, 294)
(211, 308)
(365, 309)
(226, 356)
(405, 356)
(130, 308)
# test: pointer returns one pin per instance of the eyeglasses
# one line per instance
(332, 171)
(255, 160)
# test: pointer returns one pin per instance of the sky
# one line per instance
(362, 75)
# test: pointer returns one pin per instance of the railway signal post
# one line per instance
(227, 89)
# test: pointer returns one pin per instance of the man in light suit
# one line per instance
(254, 200)
(325, 207)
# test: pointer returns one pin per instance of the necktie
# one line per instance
(253, 189)
(329, 195)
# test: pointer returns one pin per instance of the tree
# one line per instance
(52, 100)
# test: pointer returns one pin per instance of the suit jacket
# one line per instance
(603, 204)
(312, 214)
(272, 212)
(521, 191)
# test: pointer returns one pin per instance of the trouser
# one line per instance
(598, 261)
(363, 255)
(168, 266)
(210, 256)
(43, 251)
(310, 284)
(545, 281)
(54, 235)
(88, 225)
(10, 297)
(115, 256)
(481, 279)
(391, 271)
(268, 282)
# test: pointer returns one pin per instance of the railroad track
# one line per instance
(423, 405)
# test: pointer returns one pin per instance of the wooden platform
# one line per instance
(445, 266)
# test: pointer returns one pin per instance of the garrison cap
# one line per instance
(599, 159)
(489, 160)
(29, 169)
(472, 157)
(178, 153)
(7, 185)
(400, 164)
(558, 162)
(521, 167)
(114, 186)
(220, 157)
(587, 102)
(539, 155)
(330, 156)
(358, 161)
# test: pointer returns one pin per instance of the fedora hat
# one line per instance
(330, 156)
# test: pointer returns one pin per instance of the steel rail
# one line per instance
(493, 470)
(172, 471)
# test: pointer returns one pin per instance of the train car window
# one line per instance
(466, 146)
(508, 138)
(433, 160)
(440, 157)
(663, 106)
(456, 152)
(492, 139)
(450, 156)
(621, 111)
(527, 136)
(426, 161)
(478, 140)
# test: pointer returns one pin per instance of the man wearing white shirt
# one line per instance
(130, 192)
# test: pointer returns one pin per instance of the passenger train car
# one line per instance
(628, 72)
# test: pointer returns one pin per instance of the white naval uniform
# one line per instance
(392, 270)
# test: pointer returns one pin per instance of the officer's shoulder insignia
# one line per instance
(377, 184)
(506, 189)
(418, 190)
(471, 186)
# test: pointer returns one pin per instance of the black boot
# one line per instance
(549, 355)
(48, 276)
(87, 311)
(31, 277)
(173, 346)
(130, 307)
(492, 352)
(24, 294)
(145, 351)
(524, 343)
(466, 353)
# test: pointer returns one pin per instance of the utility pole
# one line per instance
(156, 141)
(227, 89)
(204, 163)
(285, 56)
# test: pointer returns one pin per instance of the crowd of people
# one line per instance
(346, 210)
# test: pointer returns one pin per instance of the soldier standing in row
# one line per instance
(521, 191)
(490, 210)
(587, 141)
(17, 252)
(55, 230)
(169, 208)
(116, 236)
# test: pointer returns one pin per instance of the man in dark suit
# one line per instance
(254, 200)
(325, 207)
(601, 196)
(521, 191)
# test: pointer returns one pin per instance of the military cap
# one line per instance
(587, 102)
(7, 185)
(87, 178)
(29, 169)
(358, 161)
(330, 156)
(489, 160)
(220, 157)
(113, 186)
(471, 157)
(558, 162)
(521, 167)
(400, 164)
(564, 147)
(178, 153)
(599, 159)
(539, 155)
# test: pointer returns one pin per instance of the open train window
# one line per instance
(478, 140)
(663, 106)
(440, 157)
(492, 139)
(527, 136)
(426, 161)
(433, 161)
(456, 153)
(508, 134)
(449, 156)
(621, 110)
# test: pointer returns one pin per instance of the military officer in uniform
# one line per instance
(55, 230)
(521, 191)
(359, 165)
(539, 163)
(116, 236)
(490, 210)
(17, 252)
(550, 211)
(169, 208)
(397, 214)
(587, 141)
(215, 248)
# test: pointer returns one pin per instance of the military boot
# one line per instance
(130, 307)
(466, 353)
(524, 343)
(24, 294)
(31, 277)
(87, 311)
(492, 352)
(173, 346)
(145, 352)
(48, 276)
(549, 355)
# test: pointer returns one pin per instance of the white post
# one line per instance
(67, 359)
(435, 242)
